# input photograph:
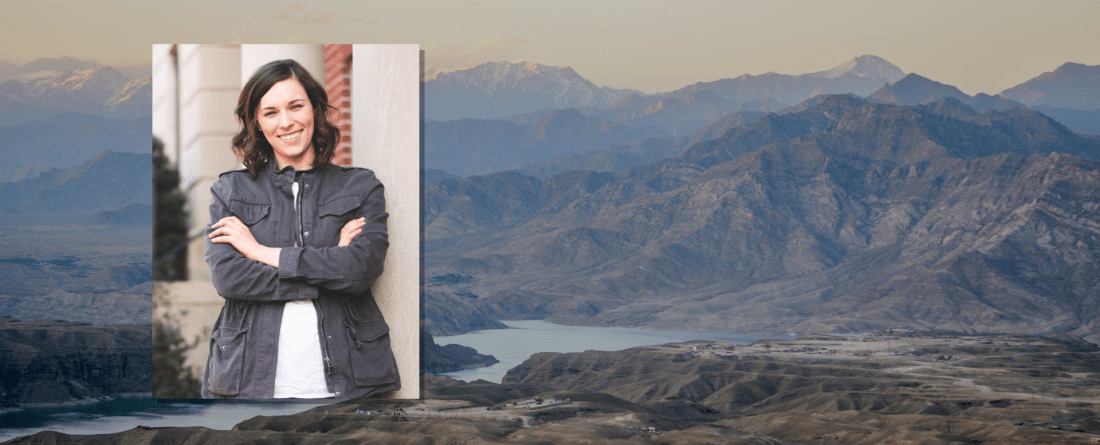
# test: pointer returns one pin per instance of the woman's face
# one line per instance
(285, 116)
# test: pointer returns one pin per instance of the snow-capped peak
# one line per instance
(865, 66)
(432, 71)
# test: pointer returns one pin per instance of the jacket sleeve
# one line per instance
(349, 269)
(238, 277)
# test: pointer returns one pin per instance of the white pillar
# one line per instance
(386, 138)
(209, 83)
(165, 100)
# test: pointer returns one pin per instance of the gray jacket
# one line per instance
(354, 337)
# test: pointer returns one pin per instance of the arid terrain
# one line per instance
(871, 388)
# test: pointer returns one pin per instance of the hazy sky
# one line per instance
(653, 46)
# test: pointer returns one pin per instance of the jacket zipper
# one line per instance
(298, 206)
(324, 338)
(301, 242)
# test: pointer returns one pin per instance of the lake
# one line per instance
(525, 337)
(123, 414)
(511, 346)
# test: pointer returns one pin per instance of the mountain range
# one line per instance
(679, 115)
(686, 111)
(100, 90)
(505, 90)
(108, 181)
(15, 173)
(617, 158)
(471, 146)
(849, 215)
(1072, 86)
(497, 90)
(914, 89)
(501, 90)
(861, 76)
(67, 139)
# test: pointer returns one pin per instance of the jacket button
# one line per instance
(307, 233)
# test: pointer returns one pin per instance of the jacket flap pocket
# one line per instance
(372, 361)
(249, 213)
(340, 206)
(370, 330)
(226, 364)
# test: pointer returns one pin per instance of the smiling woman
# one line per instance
(294, 247)
(295, 238)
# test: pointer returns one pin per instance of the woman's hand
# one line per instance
(231, 230)
(350, 230)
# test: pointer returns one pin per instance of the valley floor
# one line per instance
(872, 388)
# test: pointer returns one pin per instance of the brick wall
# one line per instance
(338, 87)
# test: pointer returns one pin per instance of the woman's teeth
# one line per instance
(291, 137)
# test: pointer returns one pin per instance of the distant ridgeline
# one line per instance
(540, 120)
(842, 214)
(109, 181)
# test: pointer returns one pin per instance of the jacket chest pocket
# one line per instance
(257, 217)
(332, 217)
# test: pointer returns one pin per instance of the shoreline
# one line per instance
(80, 402)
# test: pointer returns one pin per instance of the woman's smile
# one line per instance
(291, 136)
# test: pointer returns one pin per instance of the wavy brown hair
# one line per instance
(250, 145)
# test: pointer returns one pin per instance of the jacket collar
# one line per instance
(282, 179)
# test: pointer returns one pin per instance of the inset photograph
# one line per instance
(287, 247)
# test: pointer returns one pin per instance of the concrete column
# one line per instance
(165, 100)
(209, 83)
(386, 134)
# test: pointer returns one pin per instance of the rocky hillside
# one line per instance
(50, 361)
(617, 158)
(846, 216)
(471, 146)
(449, 358)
